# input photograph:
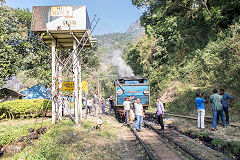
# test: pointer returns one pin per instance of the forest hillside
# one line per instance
(189, 46)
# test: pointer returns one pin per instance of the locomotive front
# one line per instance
(132, 87)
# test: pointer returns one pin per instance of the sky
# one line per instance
(115, 15)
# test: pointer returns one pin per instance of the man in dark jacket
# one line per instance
(225, 98)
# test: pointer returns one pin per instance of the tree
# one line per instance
(13, 36)
(193, 41)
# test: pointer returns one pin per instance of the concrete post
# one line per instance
(53, 81)
(75, 79)
(80, 89)
(60, 90)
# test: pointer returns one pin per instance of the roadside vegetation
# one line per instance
(67, 141)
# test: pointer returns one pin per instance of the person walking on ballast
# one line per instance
(217, 107)
(160, 112)
(139, 115)
(200, 110)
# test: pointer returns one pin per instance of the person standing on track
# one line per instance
(217, 107)
(160, 112)
(139, 115)
(126, 106)
(200, 110)
(225, 98)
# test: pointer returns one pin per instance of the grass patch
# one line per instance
(66, 141)
(88, 125)
(108, 134)
(11, 130)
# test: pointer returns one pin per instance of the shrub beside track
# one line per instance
(23, 108)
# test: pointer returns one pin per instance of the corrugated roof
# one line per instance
(10, 92)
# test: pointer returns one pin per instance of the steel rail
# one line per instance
(171, 140)
(144, 146)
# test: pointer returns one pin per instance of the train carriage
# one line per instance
(133, 87)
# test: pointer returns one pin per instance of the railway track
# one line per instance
(150, 155)
(156, 147)
(173, 145)
(168, 135)
(207, 119)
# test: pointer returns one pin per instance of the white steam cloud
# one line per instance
(117, 61)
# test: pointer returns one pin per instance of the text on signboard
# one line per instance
(61, 11)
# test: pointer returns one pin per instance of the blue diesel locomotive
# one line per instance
(133, 87)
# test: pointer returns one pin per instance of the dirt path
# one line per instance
(129, 146)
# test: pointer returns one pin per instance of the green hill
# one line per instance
(193, 43)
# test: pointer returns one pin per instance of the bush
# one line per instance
(23, 108)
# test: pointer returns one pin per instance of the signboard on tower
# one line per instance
(69, 86)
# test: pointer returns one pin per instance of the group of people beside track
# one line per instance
(219, 107)
(139, 112)
(219, 103)
(94, 104)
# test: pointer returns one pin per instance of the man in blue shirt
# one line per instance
(225, 98)
(200, 110)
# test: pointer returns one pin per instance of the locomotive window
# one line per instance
(121, 80)
(141, 81)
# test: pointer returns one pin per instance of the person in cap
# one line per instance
(160, 112)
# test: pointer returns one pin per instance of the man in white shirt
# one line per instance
(89, 106)
(160, 112)
(126, 106)
(139, 114)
